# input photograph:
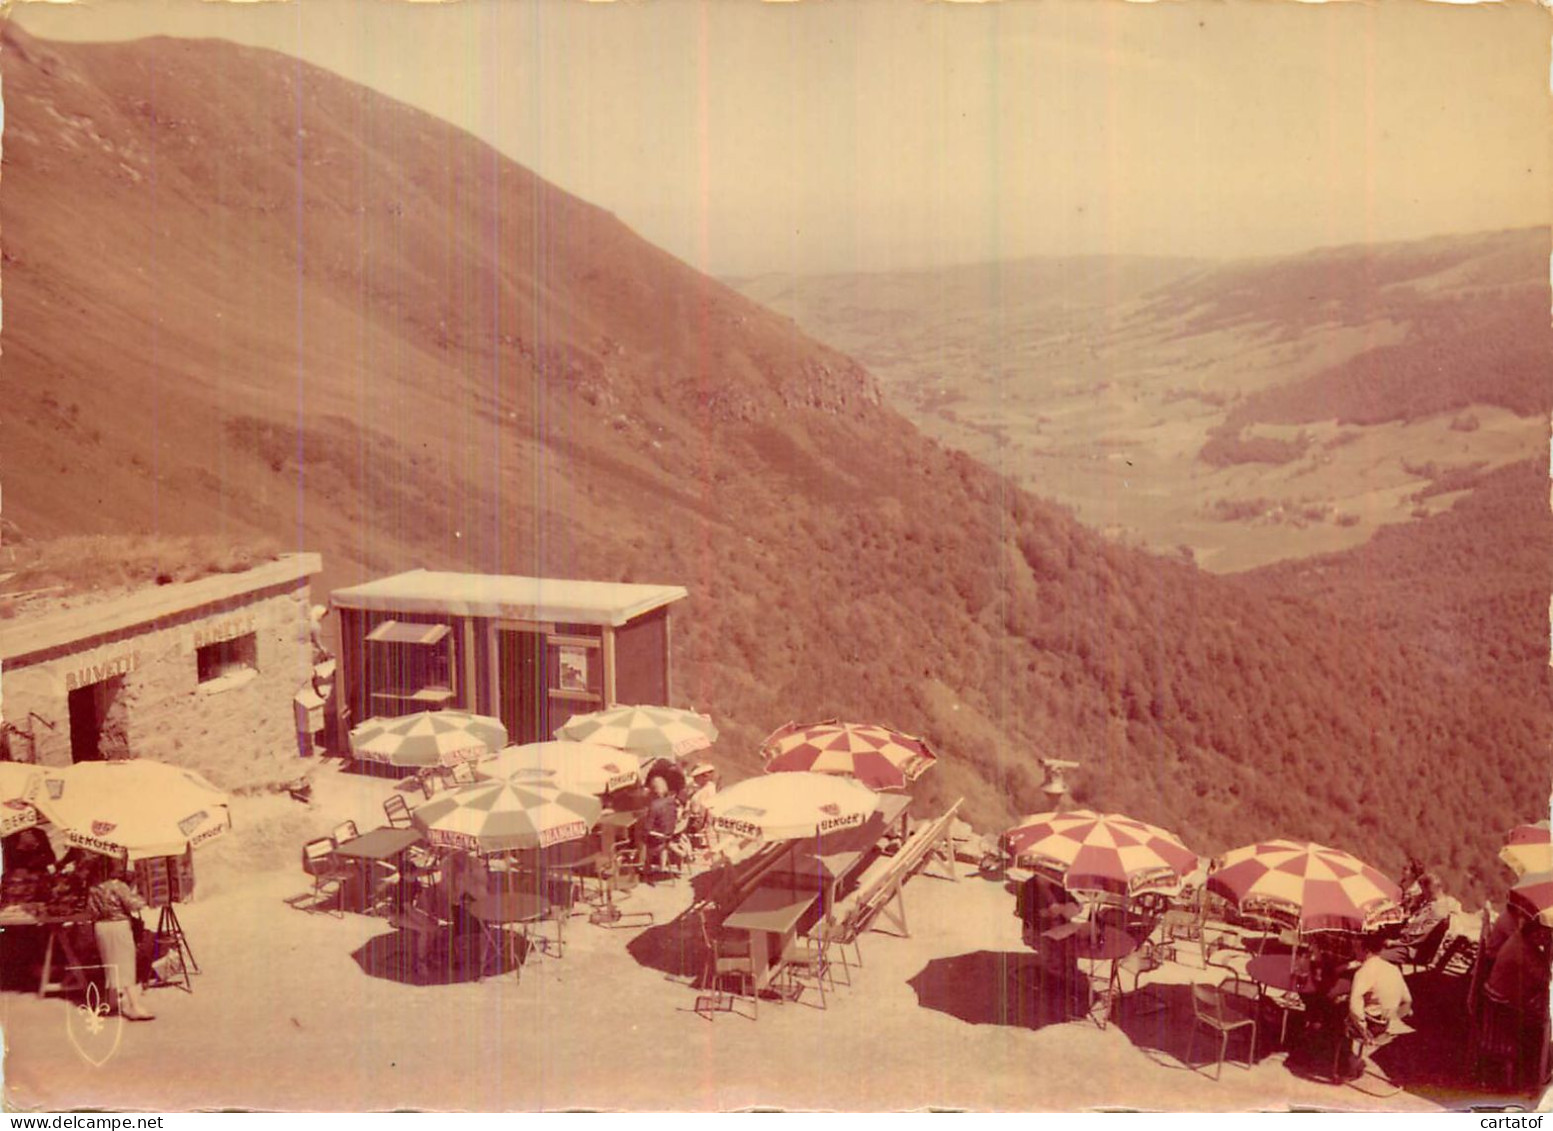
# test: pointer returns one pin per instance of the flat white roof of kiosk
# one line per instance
(505, 596)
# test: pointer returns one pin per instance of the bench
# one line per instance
(878, 892)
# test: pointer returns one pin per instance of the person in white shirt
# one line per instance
(1378, 998)
(704, 777)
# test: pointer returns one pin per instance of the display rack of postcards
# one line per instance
(164, 882)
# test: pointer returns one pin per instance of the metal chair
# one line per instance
(319, 862)
(345, 830)
(1140, 962)
(1224, 1013)
(431, 781)
(808, 957)
(397, 810)
(1181, 925)
(725, 958)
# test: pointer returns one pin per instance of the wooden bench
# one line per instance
(878, 892)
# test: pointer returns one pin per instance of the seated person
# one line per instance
(658, 825)
(1042, 905)
(704, 780)
(419, 908)
(1379, 998)
(1430, 908)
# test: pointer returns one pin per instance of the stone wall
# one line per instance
(237, 730)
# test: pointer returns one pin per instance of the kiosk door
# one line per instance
(524, 704)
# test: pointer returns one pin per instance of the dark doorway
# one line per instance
(521, 667)
(96, 732)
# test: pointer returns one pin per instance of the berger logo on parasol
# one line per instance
(94, 1030)
(96, 844)
(836, 820)
(209, 834)
(192, 822)
(737, 827)
(103, 828)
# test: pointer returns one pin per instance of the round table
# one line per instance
(498, 910)
(1111, 944)
(1276, 972)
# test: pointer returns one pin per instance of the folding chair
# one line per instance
(397, 810)
(345, 830)
(725, 958)
(1224, 1013)
(1140, 962)
(809, 957)
(431, 781)
(319, 862)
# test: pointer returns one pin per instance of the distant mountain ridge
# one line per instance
(1249, 410)
(247, 297)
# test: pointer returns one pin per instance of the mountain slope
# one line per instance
(244, 295)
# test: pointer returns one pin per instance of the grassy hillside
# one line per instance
(247, 298)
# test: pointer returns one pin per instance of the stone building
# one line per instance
(200, 674)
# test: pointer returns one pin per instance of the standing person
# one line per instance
(113, 904)
(659, 824)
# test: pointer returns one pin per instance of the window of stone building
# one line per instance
(227, 658)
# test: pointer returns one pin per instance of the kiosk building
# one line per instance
(530, 651)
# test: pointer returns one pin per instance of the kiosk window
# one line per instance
(227, 657)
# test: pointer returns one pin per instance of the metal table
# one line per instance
(497, 911)
(380, 846)
(770, 916)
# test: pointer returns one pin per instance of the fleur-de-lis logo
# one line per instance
(94, 1029)
(831, 810)
(94, 1010)
(103, 828)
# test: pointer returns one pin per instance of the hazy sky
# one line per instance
(868, 134)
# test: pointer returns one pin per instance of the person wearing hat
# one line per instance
(704, 778)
